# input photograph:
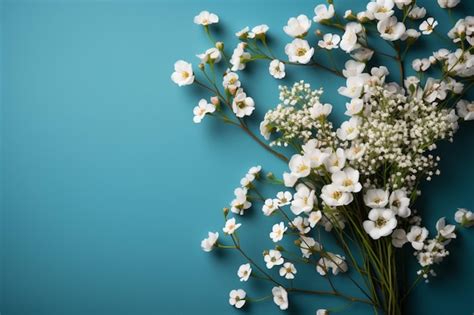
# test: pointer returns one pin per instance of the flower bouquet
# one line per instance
(357, 182)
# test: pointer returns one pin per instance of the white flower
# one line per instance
(347, 179)
(401, 3)
(428, 26)
(240, 203)
(334, 195)
(230, 226)
(353, 88)
(332, 261)
(231, 82)
(376, 198)
(242, 105)
(322, 312)
(297, 27)
(420, 64)
(417, 236)
(446, 231)
(299, 51)
(269, 206)
(273, 258)
(260, 30)
(323, 13)
(319, 110)
(336, 161)
(381, 223)
(309, 246)
(208, 243)
(288, 270)
(399, 203)
(300, 166)
(284, 198)
(316, 156)
(465, 109)
(280, 297)
(206, 18)
(303, 201)
(237, 298)
(329, 41)
(266, 129)
(362, 54)
(202, 109)
(355, 152)
(314, 218)
(380, 9)
(244, 272)
(277, 69)
(239, 57)
(289, 179)
(390, 29)
(464, 217)
(448, 3)
(354, 107)
(278, 230)
(211, 55)
(349, 129)
(353, 68)
(255, 170)
(243, 33)
(183, 73)
(349, 40)
(410, 33)
(399, 238)
(301, 224)
(417, 13)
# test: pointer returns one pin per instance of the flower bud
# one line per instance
(220, 46)
(201, 66)
(226, 211)
(215, 101)
(280, 248)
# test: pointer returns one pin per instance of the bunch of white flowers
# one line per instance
(359, 181)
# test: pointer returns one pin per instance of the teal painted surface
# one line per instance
(108, 187)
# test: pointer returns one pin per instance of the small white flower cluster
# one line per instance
(295, 119)
(241, 202)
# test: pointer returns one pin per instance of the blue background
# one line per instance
(107, 187)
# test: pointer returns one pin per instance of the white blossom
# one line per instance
(206, 18)
(299, 51)
(237, 298)
(183, 73)
(390, 29)
(202, 109)
(333, 262)
(314, 217)
(211, 55)
(300, 166)
(399, 203)
(381, 223)
(277, 69)
(417, 13)
(336, 161)
(399, 238)
(354, 107)
(329, 41)
(465, 109)
(288, 270)
(447, 4)
(242, 105)
(380, 9)
(208, 243)
(347, 180)
(445, 230)
(230, 226)
(244, 272)
(297, 27)
(280, 297)
(349, 129)
(376, 198)
(269, 206)
(323, 12)
(301, 224)
(334, 195)
(428, 26)
(417, 236)
(464, 217)
(278, 230)
(240, 203)
(273, 258)
(303, 200)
